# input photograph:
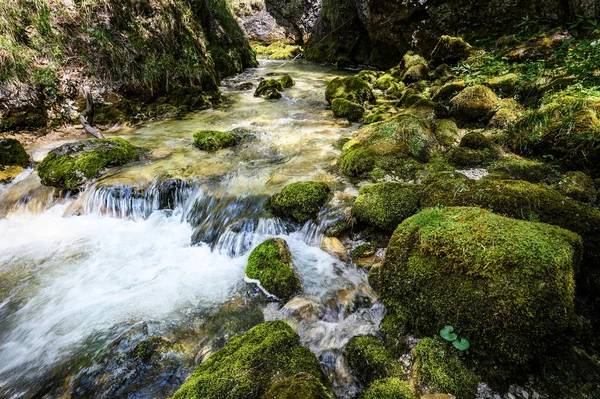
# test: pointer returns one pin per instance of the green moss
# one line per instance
(9, 173)
(386, 205)
(250, 365)
(277, 51)
(147, 349)
(270, 89)
(12, 153)
(300, 386)
(389, 388)
(210, 141)
(363, 251)
(579, 186)
(475, 150)
(508, 114)
(416, 73)
(343, 108)
(287, 81)
(72, 165)
(521, 200)
(450, 50)
(516, 168)
(439, 367)
(504, 84)
(368, 359)
(506, 285)
(446, 132)
(385, 82)
(411, 59)
(428, 109)
(449, 90)
(300, 201)
(369, 76)
(395, 91)
(271, 264)
(351, 88)
(474, 104)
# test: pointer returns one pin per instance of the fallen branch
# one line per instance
(89, 112)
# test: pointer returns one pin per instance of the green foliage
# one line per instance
(300, 201)
(440, 368)
(386, 205)
(389, 388)
(480, 273)
(368, 358)
(448, 333)
(271, 264)
(12, 153)
(208, 140)
(46, 81)
(251, 365)
(72, 165)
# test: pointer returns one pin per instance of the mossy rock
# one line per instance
(520, 200)
(287, 81)
(73, 165)
(566, 127)
(446, 132)
(411, 59)
(12, 153)
(579, 186)
(299, 386)
(450, 50)
(270, 89)
(395, 91)
(516, 168)
(253, 364)
(386, 205)
(449, 90)
(474, 104)
(482, 273)
(385, 82)
(504, 84)
(148, 349)
(475, 150)
(398, 145)
(300, 201)
(439, 368)
(388, 388)
(369, 76)
(416, 73)
(509, 112)
(277, 51)
(210, 141)
(362, 251)
(368, 359)
(271, 264)
(351, 88)
(9, 173)
(343, 108)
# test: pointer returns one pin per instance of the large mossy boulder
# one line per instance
(450, 50)
(270, 89)
(343, 108)
(389, 388)
(506, 285)
(440, 368)
(73, 165)
(210, 140)
(12, 153)
(386, 205)
(520, 200)
(368, 359)
(475, 150)
(271, 264)
(300, 201)
(351, 88)
(398, 146)
(265, 362)
(474, 104)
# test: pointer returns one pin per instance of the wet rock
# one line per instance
(270, 89)
(210, 141)
(334, 246)
(246, 86)
(12, 153)
(300, 201)
(271, 264)
(304, 309)
(72, 165)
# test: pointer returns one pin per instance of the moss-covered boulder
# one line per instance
(416, 73)
(300, 201)
(504, 84)
(449, 90)
(520, 200)
(270, 89)
(343, 108)
(385, 82)
(446, 132)
(287, 81)
(439, 367)
(73, 165)
(266, 360)
(517, 168)
(566, 126)
(397, 146)
(299, 386)
(351, 88)
(475, 150)
(474, 104)
(209, 140)
(509, 112)
(389, 388)
(271, 264)
(368, 359)
(12, 153)
(386, 205)
(579, 186)
(506, 285)
(450, 50)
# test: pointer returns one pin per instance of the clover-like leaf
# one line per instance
(448, 334)
(462, 344)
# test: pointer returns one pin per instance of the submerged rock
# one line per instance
(266, 362)
(208, 140)
(73, 165)
(271, 264)
(300, 201)
(482, 274)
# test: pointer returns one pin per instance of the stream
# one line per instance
(158, 248)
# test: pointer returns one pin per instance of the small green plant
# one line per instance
(449, 335)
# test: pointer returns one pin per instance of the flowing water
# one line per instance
(158, 249)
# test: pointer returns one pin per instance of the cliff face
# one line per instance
(388, 28)
(127, 52)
